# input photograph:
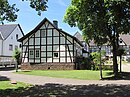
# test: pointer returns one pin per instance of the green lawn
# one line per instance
(7, 85)
(74, 74)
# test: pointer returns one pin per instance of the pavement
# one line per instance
(40, 80)
(126, 67)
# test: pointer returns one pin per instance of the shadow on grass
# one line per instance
(121, 76)
(4, 78)
(60, 90)
(26, 71)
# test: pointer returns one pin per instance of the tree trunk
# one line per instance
(120, 62)
(100, 67)
(115, 65)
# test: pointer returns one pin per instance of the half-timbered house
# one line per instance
(48, 47)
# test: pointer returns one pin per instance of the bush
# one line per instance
(83, 63)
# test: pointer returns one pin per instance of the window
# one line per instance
(10, 47)
(16, 47)
(20, 45)
(55, 55)
(120, 41)
(37, 53)
(16, 36)
(31, 53)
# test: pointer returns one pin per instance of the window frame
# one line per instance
(55, 53)
(31, 55)
(10, 47)
(36, 53)
(17, 36)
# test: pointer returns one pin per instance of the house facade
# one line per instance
(48, 47)
(124, 41)
(85, 50)
(9, 34)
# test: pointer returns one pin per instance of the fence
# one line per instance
(5, 61)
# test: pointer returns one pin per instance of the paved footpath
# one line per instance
(40, 80)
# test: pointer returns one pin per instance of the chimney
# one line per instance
(55, 23)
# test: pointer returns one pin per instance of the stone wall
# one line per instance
(48, 66)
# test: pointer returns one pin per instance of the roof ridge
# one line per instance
(8, 24)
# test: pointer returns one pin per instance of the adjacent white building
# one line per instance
(9, 34)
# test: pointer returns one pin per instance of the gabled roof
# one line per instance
(40, 25)
(126, 38)
(78, 36)
(6, 30)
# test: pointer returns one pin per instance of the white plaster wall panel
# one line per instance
(122, 43)
(62, 54)
(31, 41)
(49, 59)
(62, 47)
(43, 26)
(32, 61)
(11, 40)
(56, 40)
(49, 48)
(49, 54)
(37, 34)
(49, 40)
(47, 25)
(70, 47)
(55, 59)
(69, 40)
(49, 32)
(56, 48)
(50, 26)
(43, 48)
(68, 59)
(37, 47)
(43, 41)
(62, 59)
(24, 48)
(37, 60)
(43, 59)
(68, 54)
(62, 40)
(43, 54)
(24, 59)
(37, 41)
(25, 42)
(55, 33)
(31, 47)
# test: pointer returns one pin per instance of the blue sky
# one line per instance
(28, 18)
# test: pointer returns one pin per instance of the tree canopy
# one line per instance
(100, 20)
(8, 12)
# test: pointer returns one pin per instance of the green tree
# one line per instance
(96, 57)
(16, 56)
(8, 12)
(101, 21)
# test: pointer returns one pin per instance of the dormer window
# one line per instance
(16, 36)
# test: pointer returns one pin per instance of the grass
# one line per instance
(7, 85)
(74, 74)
